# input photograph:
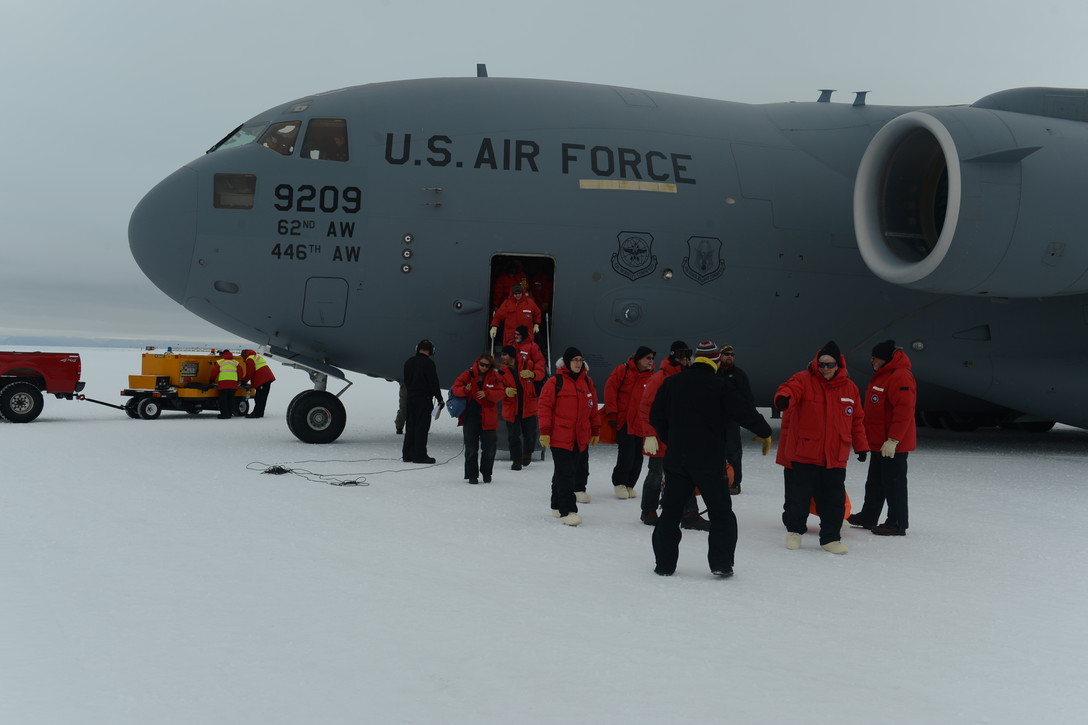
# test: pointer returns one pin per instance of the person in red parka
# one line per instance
(259, 375)
(825, 417)
(227, 373)
(482, 387)
(622, 394)
(530, 355)
(517, 309)
(569, 424)
(889, 426)
(519, 406)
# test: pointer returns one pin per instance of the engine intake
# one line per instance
(975, 201)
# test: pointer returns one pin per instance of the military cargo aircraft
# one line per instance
(339, 229)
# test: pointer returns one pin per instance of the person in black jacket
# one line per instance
(727, 368)
(421, 384)
(689, 415)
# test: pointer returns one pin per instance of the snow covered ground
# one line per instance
(150, 573)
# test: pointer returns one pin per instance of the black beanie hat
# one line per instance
(569, 354)
(884, 350)
(510, 350)
(642, 352)
(523, 331)
(830, 349)
(678, 345)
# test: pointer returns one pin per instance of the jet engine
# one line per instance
(976, 201)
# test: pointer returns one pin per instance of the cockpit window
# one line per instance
(240, 136)
(234, 191)
(280, 137)
(326, 139)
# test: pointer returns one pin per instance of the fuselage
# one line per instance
(665, 217)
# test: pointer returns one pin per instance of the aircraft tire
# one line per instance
(21, 402)
(316, 416)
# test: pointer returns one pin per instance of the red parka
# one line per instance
(258, 371)
(466, 386)
(531, 358)
(622, 394)
(642, 422)
(525, 387)
(570, 416)
(513, 312)
(889, 405)
(825, 417)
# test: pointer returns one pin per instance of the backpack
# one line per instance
(456, 405)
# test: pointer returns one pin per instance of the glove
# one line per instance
(649, 444)
(536, 329)
(888, 449)
(781, 402)
(545, 441)
(526, 374)
(593, 440)
(862, 456)
(766, 443)
(511, 392)
(494, 331)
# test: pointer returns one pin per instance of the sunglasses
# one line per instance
(827, 365)
(483, 365)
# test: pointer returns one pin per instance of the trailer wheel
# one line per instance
(130, 408)
(21, 402)
(241, 406)
(149, 408)
(316, 416)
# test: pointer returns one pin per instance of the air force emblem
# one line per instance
(634, 257)
(704, 262)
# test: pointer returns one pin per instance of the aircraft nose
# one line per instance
(162, 232)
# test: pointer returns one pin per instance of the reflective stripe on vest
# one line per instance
(258, 362)
(228, 370)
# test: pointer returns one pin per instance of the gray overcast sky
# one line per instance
(102, 100)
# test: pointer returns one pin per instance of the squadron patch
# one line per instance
(704, 262)
(634, 257)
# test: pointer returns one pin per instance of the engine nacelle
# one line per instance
(975, 201)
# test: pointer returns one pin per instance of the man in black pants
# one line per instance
(733, 451)
(421, 383)
(689, 414)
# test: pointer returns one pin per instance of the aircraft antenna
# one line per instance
(825, 95)
(859, 98)
(481, 70)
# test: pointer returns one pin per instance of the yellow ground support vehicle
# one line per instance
(178, 381)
